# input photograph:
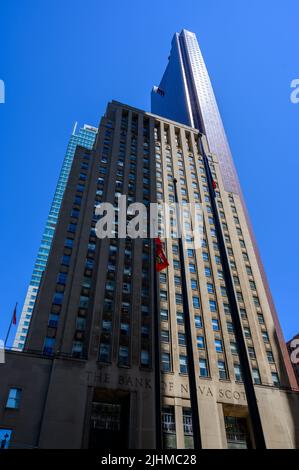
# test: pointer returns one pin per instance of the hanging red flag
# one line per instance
(161, 260)
(214, 184)
(14, 316)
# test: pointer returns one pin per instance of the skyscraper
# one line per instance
(88, 375)
(85, 137)
(185, 94)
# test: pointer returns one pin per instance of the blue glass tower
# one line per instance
(84, 137)
(185, 94)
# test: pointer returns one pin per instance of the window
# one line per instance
(180, 318)
(58, 298)
(275, 379)
(124, 328)
(77, 348)
(234, 348)
(104, 352)
(188, 429)
(163, 295)
(165, 336)
(247, 332)
(251, 352)
(165, 362)
(265, 337)
(260, 317)
(61, 279)
(196, 303)
(210, 288)
(13, 400)
(218, 345)
(53, 320)
(178, 298)
(169, 428)
(123, 356)
(207, 272)
(222, 370)
(270, 356)
(227, 310)
(238, 374)
(49, 345)
(5, 435)
(192, 268)
(213, 305)
(144, 358)
(182, 339)
(203, 368)
(193, 284)
(200, 342)
(80, 323)
(230, 327)
(198, 321)
(164, 314)
(215, 324)
(256, 376)
(183, 364)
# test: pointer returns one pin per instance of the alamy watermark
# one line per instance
(294, 344)
(2, 92)
(294, 96)
(158, 220)
(2, 352)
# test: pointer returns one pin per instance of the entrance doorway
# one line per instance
(109, 420)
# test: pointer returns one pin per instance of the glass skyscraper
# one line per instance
(85, 137)
(185, 94)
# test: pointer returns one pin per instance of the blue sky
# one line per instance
(63, 60)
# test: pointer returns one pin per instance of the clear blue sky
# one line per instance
(63, 60)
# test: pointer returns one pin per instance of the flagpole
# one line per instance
(242, 349)
(157, 354)
(189, 343)
(9, 328)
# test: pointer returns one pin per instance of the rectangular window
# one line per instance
(198, 321)
(203, 368)
(123, 356)
(238, 374)
(200, 342)
(49, 345)
(165, 362)
(164, 314)
(196, 303)
(5, 435)
(270, 356)
(188, 429)
(215, 324)
(222, 370)
(210, 288)
(165, 336)
(168, 428)
(275, 379)
(144, 358)
(183, 364)
(13, 399)
(256, 376)
(251, 352)
(104, 352)
(218, 345)
(213, 305)
(182, 339)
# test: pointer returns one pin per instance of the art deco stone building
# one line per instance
(87, 375)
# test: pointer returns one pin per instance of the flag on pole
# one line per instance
(14, 316)
(13, 321)
(161, 260)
